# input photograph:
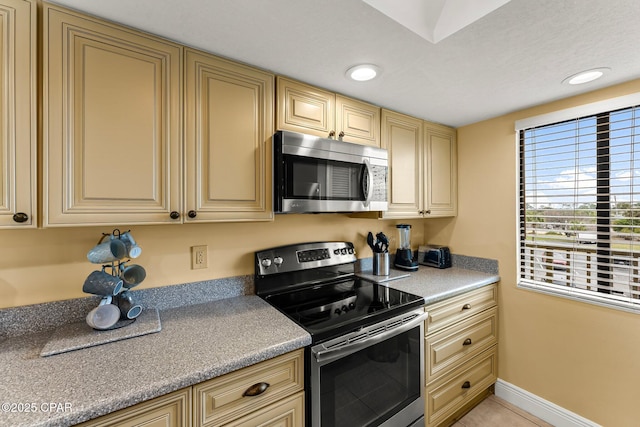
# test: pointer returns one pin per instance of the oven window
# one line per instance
(319, 179)
(369, 386)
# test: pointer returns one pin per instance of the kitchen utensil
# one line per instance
(102, 283)
(384, 242)
(104, 316)
(370, 241)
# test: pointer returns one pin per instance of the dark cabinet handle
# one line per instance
(466, 384)
(332, 134)
(428, 211)
(466, 306)
(341, 135)
(192, 214)
(174, 215)
(467, 341)
(20, 217)
(256, 389)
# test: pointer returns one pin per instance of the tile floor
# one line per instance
(495, 412)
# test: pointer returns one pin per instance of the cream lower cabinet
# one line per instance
(267, 394)
(18, 111)
(460, 354)
(422, 167)
(229, 124)
(111, 123)
(307, 109)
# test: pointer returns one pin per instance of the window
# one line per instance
(579, 205)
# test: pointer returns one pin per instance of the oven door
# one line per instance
(371, 377)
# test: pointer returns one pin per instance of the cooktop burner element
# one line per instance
(314, 284)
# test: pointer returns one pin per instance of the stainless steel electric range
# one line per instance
(365, 364)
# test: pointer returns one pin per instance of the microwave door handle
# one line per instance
(367, 182)
(342, 351)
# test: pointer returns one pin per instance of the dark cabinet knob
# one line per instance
(20, 217)
(192, 214)
(466, 384)
(256, 389)
(467, 342)
(466, 306)
(332, 134)
(341, 135)
(174, 215)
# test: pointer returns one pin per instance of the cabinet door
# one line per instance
(171, 410)
(288, 412)
(305, 109)
(402, 136)
(229, 124)
(359, 121)
(112, 115)
(18, 113)
(440, 160)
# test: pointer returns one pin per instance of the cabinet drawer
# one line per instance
(285, 412)
(220, 400)
(456, 309)
(171, 410)
(453, 390)
(455, 345)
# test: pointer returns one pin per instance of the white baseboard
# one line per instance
(541, 408)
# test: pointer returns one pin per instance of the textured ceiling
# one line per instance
(513, 58)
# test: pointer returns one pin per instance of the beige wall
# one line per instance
(582, 357)
(50, 264)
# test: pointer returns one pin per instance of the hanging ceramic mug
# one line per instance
(102, 283)
(112, 250)
(133, 250)
(128, 308)
(132, 275)
(104, 316)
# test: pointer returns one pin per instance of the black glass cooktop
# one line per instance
(332, 309)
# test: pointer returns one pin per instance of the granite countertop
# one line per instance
(434, 284)
(197, 342)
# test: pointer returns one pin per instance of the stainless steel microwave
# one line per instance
(313, 174)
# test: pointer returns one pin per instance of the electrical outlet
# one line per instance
(199, 257)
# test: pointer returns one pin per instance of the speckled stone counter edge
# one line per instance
(48, 316)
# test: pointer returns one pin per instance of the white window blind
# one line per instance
(579, 214)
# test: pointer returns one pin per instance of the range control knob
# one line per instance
(351, 251)
(352, 306)
(266, 263)
(343, 251)
(344, 308)
(336, 251)
(278, 260)
(337, 311)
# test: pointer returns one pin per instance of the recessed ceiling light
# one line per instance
(586, 76)
(363, 72)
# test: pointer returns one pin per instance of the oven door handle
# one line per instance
(346, 349)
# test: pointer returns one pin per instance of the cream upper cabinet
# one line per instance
(307, 109)
(441, 171)
(111, 123)
(18, 131)
(228, 127)
(422, 167)
(402, 137)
